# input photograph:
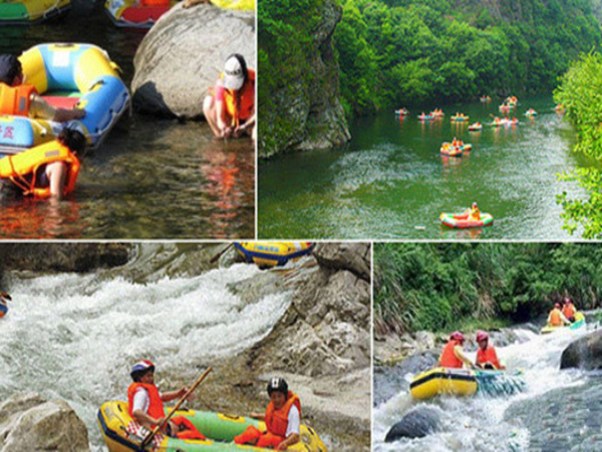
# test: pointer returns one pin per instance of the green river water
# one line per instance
(390, 182)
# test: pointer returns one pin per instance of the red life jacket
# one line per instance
(155, 406)
(15, 100)
(189, 431)
(276, 421)
(569, 310)
(488, 356)
(448, 358)
(241, 104)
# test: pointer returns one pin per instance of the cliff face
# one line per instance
(299, 105)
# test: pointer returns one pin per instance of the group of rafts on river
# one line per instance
(457, 375)
(144, 423)
(58, 99)
(472, 217)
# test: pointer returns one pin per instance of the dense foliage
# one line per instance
(403, 52)
(580, 92)
(427, 286)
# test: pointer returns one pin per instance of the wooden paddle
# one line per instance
(220, 254)
(151, 435)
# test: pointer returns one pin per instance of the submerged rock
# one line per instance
(584, 353)
(184, 53)
(28, 422)
(419, 422)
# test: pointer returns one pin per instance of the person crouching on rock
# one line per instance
(453, 355)
(145, 403)
(230, 107)
(282, 419)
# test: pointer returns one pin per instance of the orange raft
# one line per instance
(449, 150)
(463, 221)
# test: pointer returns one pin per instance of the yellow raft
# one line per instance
(578, 323)
(121, 433)
(271, 254)
(243, 5)
(443, 381)
(25, 12)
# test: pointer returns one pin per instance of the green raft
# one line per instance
(119, 434)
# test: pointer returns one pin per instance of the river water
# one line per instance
(75, 337)
(390, 182)
(151, 178)
(559, 411)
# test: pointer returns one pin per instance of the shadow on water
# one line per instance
(152, 177)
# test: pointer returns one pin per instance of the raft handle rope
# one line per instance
(23, 184)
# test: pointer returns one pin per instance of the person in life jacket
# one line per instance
(568, 309)
(453, 355)
(230, 108)
(46, 171)
(18, 98)
(474, 213)
(145, 403)
(4, 298)
(556, 317)
(282, 419)
(486, 354)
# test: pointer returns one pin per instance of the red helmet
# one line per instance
(140, 368)
(482, 336)
(557, 305)
(457, 336)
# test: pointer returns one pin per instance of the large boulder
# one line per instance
(28, 422)
(417, 423)
(300, 85)
(354, 257)
(584, 353)
(184, 53)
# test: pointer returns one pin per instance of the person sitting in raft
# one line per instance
(145, 403)
(18, 98)
(4, 297)
(473, 213)
(486, 355)
(230, 108)
(556, 317)
(568, 309)
(453, 355)
(282, 419)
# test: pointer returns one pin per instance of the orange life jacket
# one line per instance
(276, 421)
(22, 168)
(155, 406)
(189, 431)
(475, 213)
(569, 310)
(488, 356)
(555, 319)
(240, 104)
(15, 100)
(448, 358)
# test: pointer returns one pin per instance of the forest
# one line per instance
(444, 286)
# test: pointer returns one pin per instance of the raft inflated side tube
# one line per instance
(443, 380)
(29, 12)
(270, 254)
(461, 221)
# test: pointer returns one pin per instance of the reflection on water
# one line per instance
(151, 178)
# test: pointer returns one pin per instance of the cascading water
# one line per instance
(75, 337)
(483, 423)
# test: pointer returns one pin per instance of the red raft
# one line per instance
(462, 221)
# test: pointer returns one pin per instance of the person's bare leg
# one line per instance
(211, 115)
(57, 173)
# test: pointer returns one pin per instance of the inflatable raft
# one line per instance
(137, 13)
(68, 75)
(530, 113)
(28, 12)
(425, 117)
(459, 118)
(465, 382)
(453, 151)
(271, 254)
(476, 127)
(578, 323)
(402, 112)
(3, 310)
(461, 220)
(122, 434)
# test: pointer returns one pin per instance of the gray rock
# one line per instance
(354, 257)
(584, 353)
(183, 54)
(27, 422)
(419, 422)
(306, 112)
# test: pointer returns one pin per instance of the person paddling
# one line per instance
(282, 419)
(145, 403)
(4, 297)
(453, 355)
(486, 354)
(556, 317)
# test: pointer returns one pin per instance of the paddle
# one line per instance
(151, 435)
(220, 254)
